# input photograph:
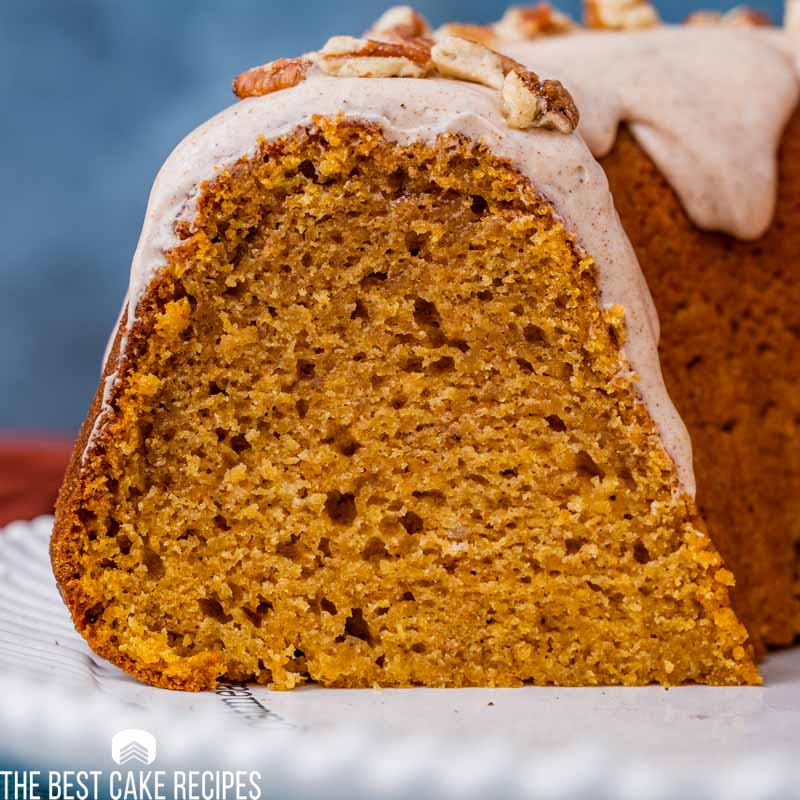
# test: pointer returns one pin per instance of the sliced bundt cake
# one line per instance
(385, 405)
(698, 131)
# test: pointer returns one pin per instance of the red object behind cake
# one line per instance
(31, 469)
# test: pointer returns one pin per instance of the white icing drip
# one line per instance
(561, 168)
(108, 386)
(708, 105)
(112, 338)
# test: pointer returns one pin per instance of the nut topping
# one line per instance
(528, 22)
(620, 14)
(281, 74)
(481, 34)
(349, 57)
(459, 58)
(739, 17)
(527, 102)
(744, 16)
(403, 51)
(399, 22)
(704, 18)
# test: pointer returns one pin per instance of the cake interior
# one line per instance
(371, 431)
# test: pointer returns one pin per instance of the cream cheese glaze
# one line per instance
(787, 41)
(559, 166)
(708, 104)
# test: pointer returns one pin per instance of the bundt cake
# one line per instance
(385, 407)
(698, 130)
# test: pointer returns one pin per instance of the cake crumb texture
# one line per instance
(370, 429)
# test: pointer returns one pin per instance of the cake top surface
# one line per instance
(707, 103)
(707, 100)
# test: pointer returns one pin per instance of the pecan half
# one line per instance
(738, 17)
(528, 22)
(528, 102)
(481, 34)
(399, 22)
(349, 57)
(704, 18)
(281, 74)
(620, 14)
(745, 16)
(464, 60)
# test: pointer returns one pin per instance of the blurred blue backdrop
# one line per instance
(95, 93)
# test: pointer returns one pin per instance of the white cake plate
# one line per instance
(60, 706)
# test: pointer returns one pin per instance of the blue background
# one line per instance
(95, 93)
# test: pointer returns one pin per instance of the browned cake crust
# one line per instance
(70, 525)
(730, 353)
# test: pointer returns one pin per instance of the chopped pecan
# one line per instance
(738, 17)
(704, 18)
(528, 22)
(459, 58)
(419, 49)
(744, 16)
(281, 74)
(528, 102)
(481, 34)
(399, 22)
(620, 14)
(346, 56)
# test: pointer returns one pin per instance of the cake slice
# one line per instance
(385, 406)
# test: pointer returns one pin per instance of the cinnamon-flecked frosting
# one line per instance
(787, 41)
(708, 104)
(561, 168)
